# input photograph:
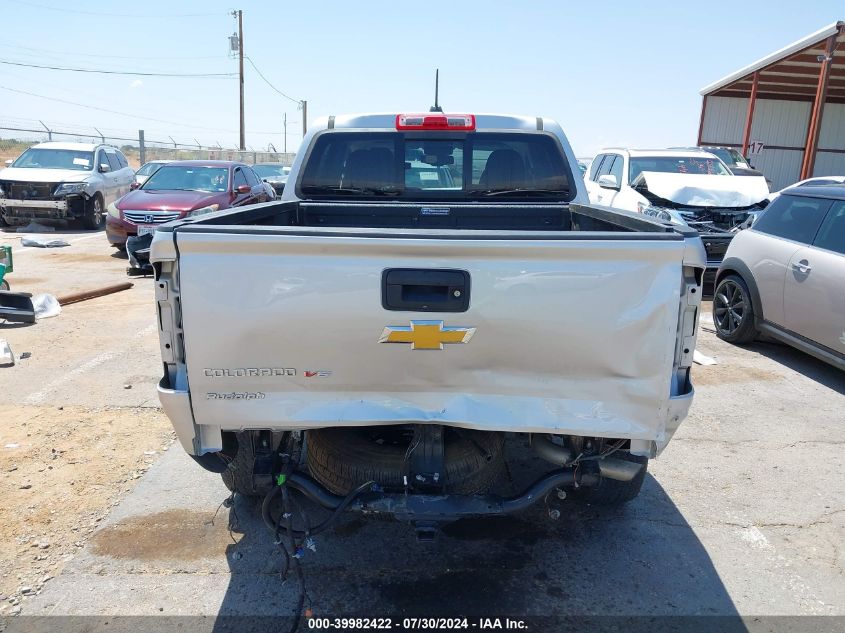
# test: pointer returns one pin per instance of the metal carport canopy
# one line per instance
(811, 70)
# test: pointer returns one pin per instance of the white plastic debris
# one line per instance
(6, 356)
(43, 242)
(45, 306)
(700, 359)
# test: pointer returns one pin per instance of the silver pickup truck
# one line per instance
(427, 285)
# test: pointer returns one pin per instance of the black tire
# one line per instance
(342, 459)
(95, 214)
(611, 492)
(239, 476)
(4, 285)
(733, 311)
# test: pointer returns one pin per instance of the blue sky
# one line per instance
(621, 73)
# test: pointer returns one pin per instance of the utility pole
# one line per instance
(286, 132)
(239, 15)
(304, 117)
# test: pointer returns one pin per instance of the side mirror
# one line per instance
(105, 168)
(134, 185)
(243, 189)
(10, 161)
(608, 181)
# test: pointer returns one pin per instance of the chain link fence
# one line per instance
(138, 150)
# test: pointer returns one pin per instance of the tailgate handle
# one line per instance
(425, 290)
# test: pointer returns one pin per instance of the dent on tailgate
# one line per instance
(573, 336)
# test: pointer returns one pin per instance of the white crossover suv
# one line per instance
(63, 181)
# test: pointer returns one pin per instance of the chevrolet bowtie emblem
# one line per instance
(426, 334)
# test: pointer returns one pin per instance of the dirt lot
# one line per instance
(79, 421)
(743, 514)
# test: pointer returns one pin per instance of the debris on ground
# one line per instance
(700, 359)
(6, 356)
(84, 295)
(34, 227)
(16, 307)
(46, 306)
(43, 242)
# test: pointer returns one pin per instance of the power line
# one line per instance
(116, 72)
(115, 15)
(267, 81)
(54, 53)
(131, 116)
(124, 114)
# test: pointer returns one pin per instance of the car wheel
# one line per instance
(4, 285)
(95, 217)
(733, 311)
(238, 477)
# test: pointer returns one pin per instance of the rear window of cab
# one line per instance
(436, 166)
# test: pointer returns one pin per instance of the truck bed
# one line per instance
(461, 216)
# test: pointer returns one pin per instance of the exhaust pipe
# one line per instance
(551, 452)
(609, 467)
(618, 469)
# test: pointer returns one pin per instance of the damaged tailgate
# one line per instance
(552, 332)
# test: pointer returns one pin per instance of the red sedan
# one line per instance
(180, 189)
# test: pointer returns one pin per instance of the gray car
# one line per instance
(275, 174)
(148, 169)
(63, 181)
(783, 277)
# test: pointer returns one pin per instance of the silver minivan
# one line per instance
(785, 276)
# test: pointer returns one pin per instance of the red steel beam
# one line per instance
(814, 128)
(749, 115)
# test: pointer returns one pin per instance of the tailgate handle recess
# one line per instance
(425, 290)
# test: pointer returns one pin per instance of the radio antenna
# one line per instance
(436, 107)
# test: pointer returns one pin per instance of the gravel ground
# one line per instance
(79, 417)
(743, 514)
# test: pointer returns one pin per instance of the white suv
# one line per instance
(63, 181)
(688, 187)
(784, 276)
(615, 176)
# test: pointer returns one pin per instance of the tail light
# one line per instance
(456, 122)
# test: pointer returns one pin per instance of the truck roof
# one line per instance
(387, 121)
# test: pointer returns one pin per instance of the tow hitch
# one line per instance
(426, 511)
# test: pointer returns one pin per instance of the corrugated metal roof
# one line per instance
(790, 80)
